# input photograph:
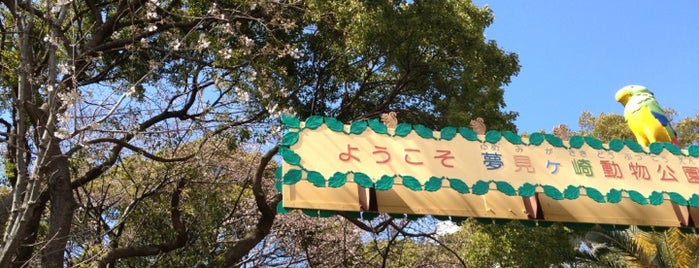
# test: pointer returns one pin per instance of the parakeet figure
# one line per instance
(643, 114)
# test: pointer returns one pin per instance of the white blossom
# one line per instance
(272, 109)
(151, 27)
(203, 42)
(213, 10)
(226, 53)
(144, 42)
(243, 95)
(227, 28)
(176, 44)
(131, 92)
(151, 15)
(64, 68)
(252, 75)
(63, 118)
(69, 97)
(246, 41)
(61, 133)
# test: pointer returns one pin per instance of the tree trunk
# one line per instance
(61, 208)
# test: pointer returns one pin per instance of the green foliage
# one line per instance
(427, 60)
(688, 130)
(516, 245)
(604, 127)
(124, 92)
(636, 248)
(607, 127)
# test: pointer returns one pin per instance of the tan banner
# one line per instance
(328, 155)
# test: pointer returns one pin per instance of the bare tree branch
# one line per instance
(268, 211)
(179, 241)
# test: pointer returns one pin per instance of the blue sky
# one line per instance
(576, 54)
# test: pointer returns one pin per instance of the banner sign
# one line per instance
(327, 154)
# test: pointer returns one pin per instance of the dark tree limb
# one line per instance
(148, 250)
(267, 210)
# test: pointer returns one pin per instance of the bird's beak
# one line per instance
(622, 96)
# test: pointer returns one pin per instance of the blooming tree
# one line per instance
(86, 87)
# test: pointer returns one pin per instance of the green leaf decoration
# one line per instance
(441, 218)
(512, 137)
(334, 124)
(637, 197)
(593, 194)
(571, 192)
(326, 213)
(352, 214)
(292, 176)
(553, 140)
(289, 156)
(278, 172)
(357, 127)
(493, 136)
(656, 198)
(290, 138)
(616, 145)
(403, 129)
(316, 178)
(527, 190)
(385, 183)
(578, 226)
(458, 185)
(411, 183)
(369, 216)
(290, 121)
(318, 213)
(363, 180)
(694, 200)
(314, 122)
(634, 146)
(678, 199)
(433, 184)
(377, 126)
(553, 192)
(656, 148)
(337, 180)
(614, 196)
(693, 150)
(673, 148)
(536, 138)
(576, 142)
(505, 188)
(397, 216)
(447, 133)
(468, 134)
(593, 142)
(278, 183)
(413, 217)
(545, 224)
(423, 131)
(481, 187)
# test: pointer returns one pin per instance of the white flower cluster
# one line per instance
(59, 4)
(291, 51)
(151, 15)
(203, 42)
(243, 96)
(176, 44)
(65, 69)
(247, 44)
(69, 97)
(227, 53)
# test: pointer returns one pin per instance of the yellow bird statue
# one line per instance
(643, 114)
